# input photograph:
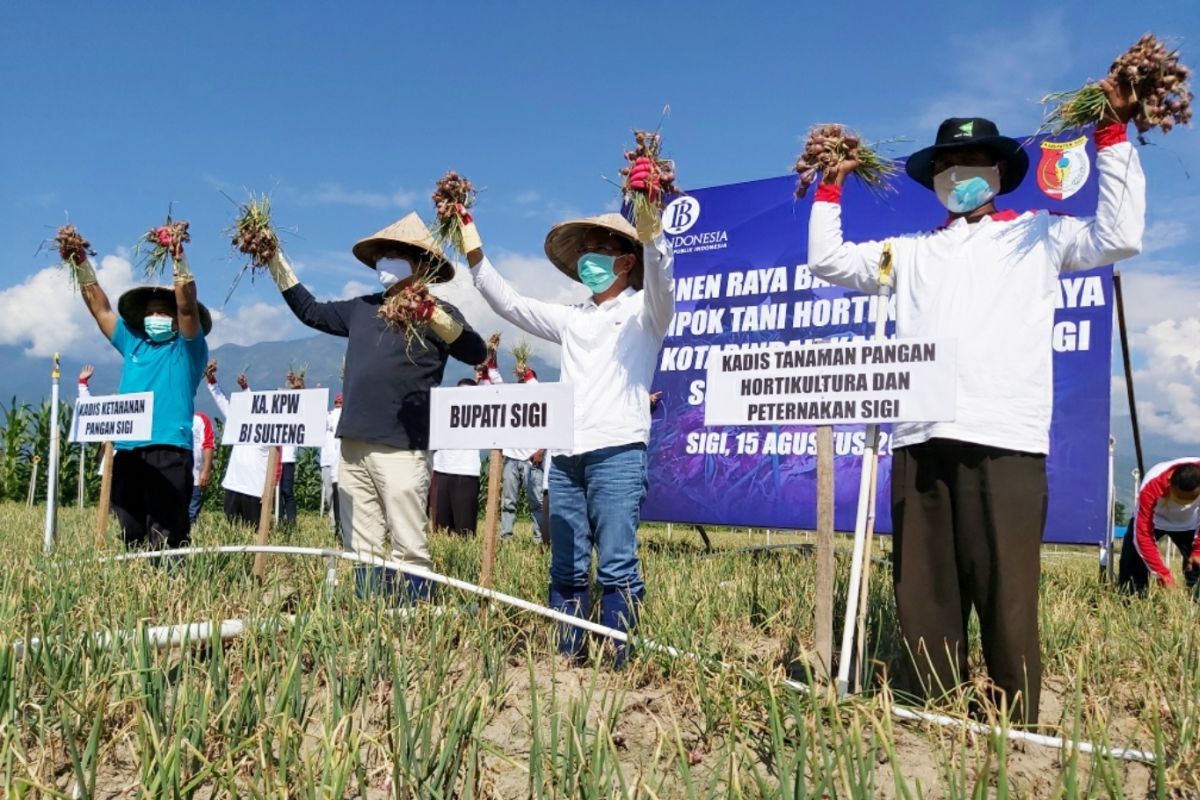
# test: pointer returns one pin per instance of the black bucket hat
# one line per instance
(132, 307)
(960, 132)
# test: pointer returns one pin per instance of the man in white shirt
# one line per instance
(1168, 504)
(610, 345)
(246, 470)
(523, 468)
(969, 496)
(202, 460)
(331, 454)
(456, 488)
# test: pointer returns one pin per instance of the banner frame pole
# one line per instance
(52, 465)
(865, 484)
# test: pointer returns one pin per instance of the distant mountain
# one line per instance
(265, 365)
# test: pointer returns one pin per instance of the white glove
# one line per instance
(281, 272)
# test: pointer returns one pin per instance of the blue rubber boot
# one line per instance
(576, 601)
(417, 589)
(619, 610)
(375, 580)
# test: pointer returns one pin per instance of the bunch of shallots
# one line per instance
(165, 241)
(521, 354)
(295, 376)
(253, 235)
(645, 193)
(1159, 83)
(72, 247)
(828, 146)
(407, 311)
(452, 200)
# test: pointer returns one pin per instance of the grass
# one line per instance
(328, 696)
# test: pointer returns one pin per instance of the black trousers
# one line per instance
(151, 492)
(968, 523)
(1134, 575)
(243, 509)
(456, 503)
(287, 494)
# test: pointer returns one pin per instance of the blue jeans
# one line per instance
(597, 499)
(518, 474)
(194, 505)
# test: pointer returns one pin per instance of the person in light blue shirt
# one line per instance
(160, 333)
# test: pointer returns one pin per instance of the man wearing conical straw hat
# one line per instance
(160, 334)
(383, 475)
(610, 344)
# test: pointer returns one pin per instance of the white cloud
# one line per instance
(1157, 291)
(252, 323)
(1165, 234)
(356, 289)
(1169, 385)
(336, 194)
(45, 315)
(531, 275)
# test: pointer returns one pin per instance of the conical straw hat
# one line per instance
(132, 306)
(411, 236)
(564, 244)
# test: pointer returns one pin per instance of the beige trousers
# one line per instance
(383, 493)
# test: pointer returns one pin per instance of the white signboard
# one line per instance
(505, 415)
(860, 381)
(113, 418)
(285, 417)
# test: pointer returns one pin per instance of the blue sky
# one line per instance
(110, 111)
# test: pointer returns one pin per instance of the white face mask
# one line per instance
(392, 270)
(964, 189)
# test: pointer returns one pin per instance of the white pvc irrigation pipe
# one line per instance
(159, 635)
(1055, 742)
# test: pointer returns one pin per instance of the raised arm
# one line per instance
(97, 303)
(186, 307)
(855, 266)
(537, 317)
(332, 317)
(1116, 231)
(218, 396)
(659, 280)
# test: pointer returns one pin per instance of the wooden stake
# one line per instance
(105, 496)
(825, 562)
(264, 514)
(491, 524)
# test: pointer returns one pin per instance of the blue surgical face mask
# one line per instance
(596, 271)
(158, 328)
(964, 189)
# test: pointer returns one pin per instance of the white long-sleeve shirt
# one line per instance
(992, 286)
(609, 351)
(331, 451)
(246, 472)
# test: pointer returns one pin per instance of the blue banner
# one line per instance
(741, 278)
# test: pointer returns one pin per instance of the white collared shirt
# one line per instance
(991, 286)
(609, 351)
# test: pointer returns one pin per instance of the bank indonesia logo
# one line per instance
(680, 215)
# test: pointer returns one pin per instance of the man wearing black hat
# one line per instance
(969, 496)
(160, 333)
